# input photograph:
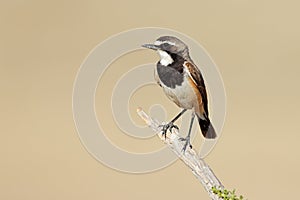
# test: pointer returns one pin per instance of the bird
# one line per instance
(183, 83)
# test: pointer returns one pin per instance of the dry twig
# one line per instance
(198, 166)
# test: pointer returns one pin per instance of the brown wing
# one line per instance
(199, 82)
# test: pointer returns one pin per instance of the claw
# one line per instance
(187, 142)
(173, 126)
(164, 131)
(166, 127)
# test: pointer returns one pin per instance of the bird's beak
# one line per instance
(151, 46)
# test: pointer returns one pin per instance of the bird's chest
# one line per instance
(169, 76)
(176, 86)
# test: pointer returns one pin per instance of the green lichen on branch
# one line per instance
(226, 194)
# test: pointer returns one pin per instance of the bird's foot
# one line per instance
(187, 142)
(165, 127)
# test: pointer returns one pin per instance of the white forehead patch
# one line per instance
(165, 58)
(158, 42)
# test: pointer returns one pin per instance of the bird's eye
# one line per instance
(164, 46)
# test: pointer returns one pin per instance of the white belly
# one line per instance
(184, 96)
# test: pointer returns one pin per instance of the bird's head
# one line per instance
(167, 47)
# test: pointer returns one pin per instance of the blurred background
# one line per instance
(255, 44)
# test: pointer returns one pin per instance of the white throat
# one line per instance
(165, 58)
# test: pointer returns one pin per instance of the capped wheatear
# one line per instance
(183, 83)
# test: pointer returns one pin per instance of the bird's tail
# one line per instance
(207, 128)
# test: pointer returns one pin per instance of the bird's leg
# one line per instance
(171, 125)
(187, 139)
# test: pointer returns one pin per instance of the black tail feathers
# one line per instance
(207, 128)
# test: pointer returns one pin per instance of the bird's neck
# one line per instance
(165, 58)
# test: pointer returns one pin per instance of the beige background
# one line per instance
(255, 44)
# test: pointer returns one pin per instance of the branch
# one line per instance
(198, 166)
